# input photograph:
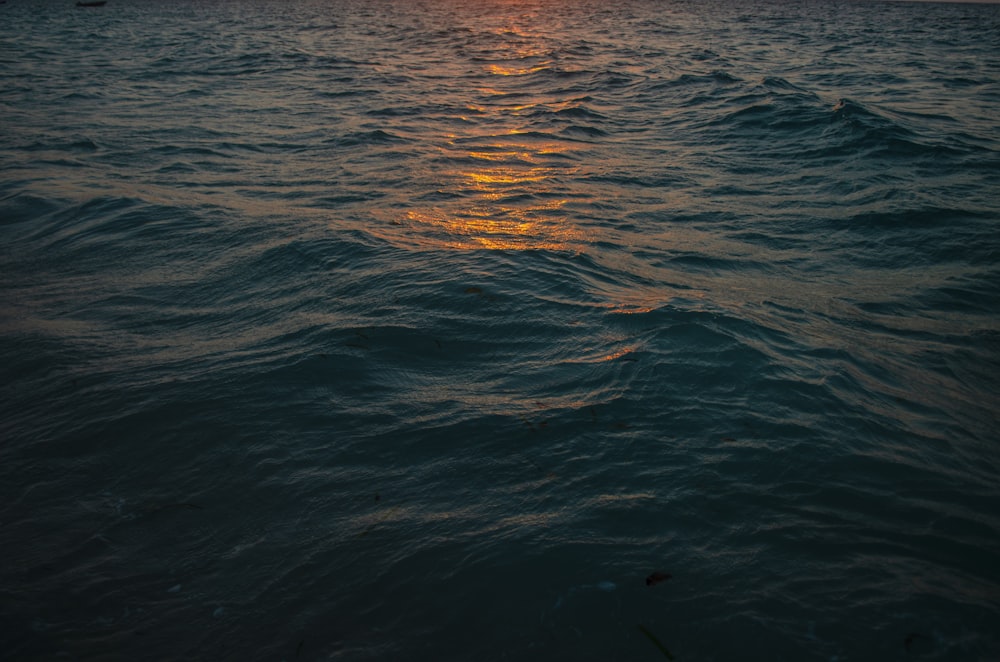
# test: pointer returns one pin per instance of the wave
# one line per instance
(361, 138)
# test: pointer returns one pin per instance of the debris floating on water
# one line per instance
(656, 642)
(657, 577)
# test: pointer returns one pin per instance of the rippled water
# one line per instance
(427, 331)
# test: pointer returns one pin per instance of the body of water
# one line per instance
(499, 330)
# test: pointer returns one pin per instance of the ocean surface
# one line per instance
(542, 330)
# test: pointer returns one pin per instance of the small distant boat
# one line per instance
(99, 3)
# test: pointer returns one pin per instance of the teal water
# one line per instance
(428, 331)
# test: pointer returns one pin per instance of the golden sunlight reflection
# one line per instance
(509, 198)
(501, 70)
(622, 353)
(503, 176)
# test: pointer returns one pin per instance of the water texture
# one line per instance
(396, 330)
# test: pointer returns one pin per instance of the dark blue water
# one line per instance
(398, 330)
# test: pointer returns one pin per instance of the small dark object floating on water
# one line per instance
(99, 3)
(657, 577)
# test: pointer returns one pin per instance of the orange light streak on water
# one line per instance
(510, 198)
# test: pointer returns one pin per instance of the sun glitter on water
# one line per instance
(502, 176)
